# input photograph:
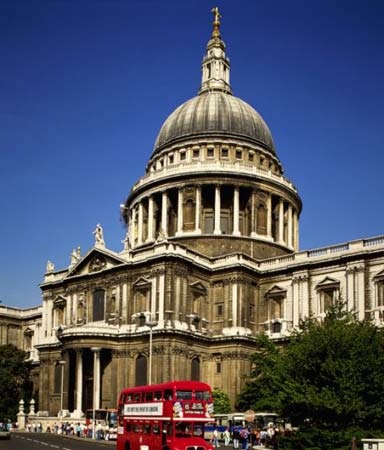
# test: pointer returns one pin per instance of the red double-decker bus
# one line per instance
(165, 416)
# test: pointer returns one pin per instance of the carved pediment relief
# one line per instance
(276, 291)
(59, 302)
(97, 263)
(379, 276)
(94, 261)
(198, 288)
(328, 282)
(142, 283)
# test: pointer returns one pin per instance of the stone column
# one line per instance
(295, 301)
(132, 227)
(217, 229)
(198, 210)
(236, 218)
(234, 304)
(290, 227)
(269, 216)
(180, 211)
(140, 225)
(79, 383)
(68, 310)
(296, 230)
(124, 306)
(361, 292)
(161, 298)
(253, 215)
(164, 213)
(305, 297)
(281, 222)
(177, 297)
(150, 219)
(96, 377)
(153, 297)
(350, 288)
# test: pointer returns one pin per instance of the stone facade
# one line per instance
(211, 258)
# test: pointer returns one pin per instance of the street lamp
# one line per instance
(62, 363)
(150, 324)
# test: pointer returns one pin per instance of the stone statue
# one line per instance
(126, 243)
(99, 239)
(78, 254)
(50, 267)
(73, 257)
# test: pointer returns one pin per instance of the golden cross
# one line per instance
(216, 22)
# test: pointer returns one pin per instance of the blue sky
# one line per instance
(86, 84)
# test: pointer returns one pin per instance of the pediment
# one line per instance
(28, 332)
(59, 302)
(379, 276)
(94, 261)
(199, 287)
(142, 283)
(276, 291)
(328, 282)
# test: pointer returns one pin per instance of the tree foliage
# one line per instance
(221, 402)
(330, 375)
(14, 381)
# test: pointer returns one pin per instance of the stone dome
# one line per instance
(215, 113)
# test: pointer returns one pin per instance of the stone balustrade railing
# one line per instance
(217, 166)
(276, 262)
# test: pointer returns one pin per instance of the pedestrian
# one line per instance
(236, 437)
(227, 437)
(215, 438)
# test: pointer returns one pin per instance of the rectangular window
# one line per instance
(184, 395)
(218, 367)
(158, 395)
(147, 428)
(224, 153)
(137, 397)
(148, 396)
(156, 428)
(210, 152)
(239, 154)
(183, 156)
(196, 153)
(251, 157)
(170, 159)
(219, 310)
(168, 394)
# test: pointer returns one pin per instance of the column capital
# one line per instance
(96, 349)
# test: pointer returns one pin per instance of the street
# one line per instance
(39, 441)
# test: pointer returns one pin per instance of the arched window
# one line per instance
(98, 305)
(141, 371)
(195, 369)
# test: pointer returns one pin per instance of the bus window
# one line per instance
(198, 429)
(182, 429)
(128, 428)
(184, 395)
(128, 398)
(136, 428)
(147, 428)
(136, 397)
(203, 395)
(168, 394)
(167, 428)
(156, 428)
(157, 395)
(148, 396)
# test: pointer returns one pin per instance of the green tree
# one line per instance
(221, 402)
(331, 374)
(14, 381)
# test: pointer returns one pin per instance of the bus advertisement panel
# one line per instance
(165, 416)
